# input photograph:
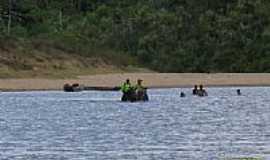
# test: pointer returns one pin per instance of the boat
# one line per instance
(73, 88)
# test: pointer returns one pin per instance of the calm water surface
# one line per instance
(96, 125)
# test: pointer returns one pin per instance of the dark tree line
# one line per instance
(166, 35)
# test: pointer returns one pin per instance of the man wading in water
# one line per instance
(136, 93)
(141, 91)
(126, 88)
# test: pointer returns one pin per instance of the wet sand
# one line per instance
(155, 80)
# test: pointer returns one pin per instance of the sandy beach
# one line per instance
(155, 80)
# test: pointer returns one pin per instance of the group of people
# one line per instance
(201, 92)
(139, 93)
(134, 93)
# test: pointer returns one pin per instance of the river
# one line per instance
(96, 125)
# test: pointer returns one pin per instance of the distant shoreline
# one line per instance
(152, 87)
(151, 80)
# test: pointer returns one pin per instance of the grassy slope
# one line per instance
(26, 61)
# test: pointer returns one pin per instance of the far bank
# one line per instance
(151, 80)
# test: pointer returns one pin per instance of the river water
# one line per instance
(96, 125)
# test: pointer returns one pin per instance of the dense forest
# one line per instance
(164, 35)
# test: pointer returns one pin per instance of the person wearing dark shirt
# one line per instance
(195, 90)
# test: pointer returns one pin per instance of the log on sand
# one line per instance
(98, 88)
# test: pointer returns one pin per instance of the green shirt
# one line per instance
(125, 87)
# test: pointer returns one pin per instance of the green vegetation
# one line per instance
(38, 59)
(164, 35)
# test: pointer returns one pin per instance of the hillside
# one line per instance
(165, 36)
(20, 60)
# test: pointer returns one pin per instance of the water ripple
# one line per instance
(96, 125)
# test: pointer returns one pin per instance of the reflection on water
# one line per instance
(96, 125)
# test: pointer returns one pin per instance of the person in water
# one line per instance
(182, 94)
(202, 92)
(195, 90)
(238, 92)
(126, 89)
(139, 87)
